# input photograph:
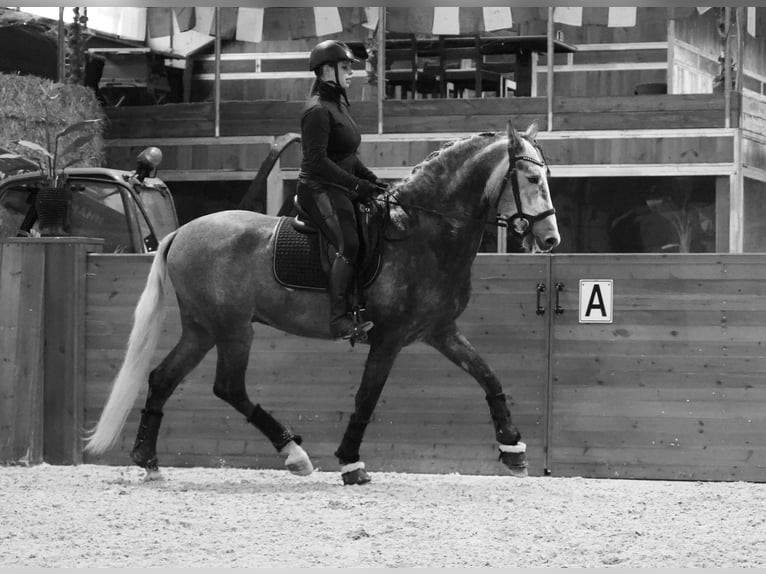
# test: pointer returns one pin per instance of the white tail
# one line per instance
(134, 372)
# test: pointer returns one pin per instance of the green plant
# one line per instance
(49, 160)
(59, 135)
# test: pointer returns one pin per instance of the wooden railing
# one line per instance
(430, 116)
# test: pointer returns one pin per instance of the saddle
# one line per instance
(302, 252)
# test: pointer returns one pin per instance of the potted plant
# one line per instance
(53, 198)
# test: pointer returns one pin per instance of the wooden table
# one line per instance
(522, 48)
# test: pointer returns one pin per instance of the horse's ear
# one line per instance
(514, 139)
(532, 130)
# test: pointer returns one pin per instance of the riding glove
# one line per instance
(366, 190)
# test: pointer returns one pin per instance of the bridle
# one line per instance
(522, 219)
(521, 223)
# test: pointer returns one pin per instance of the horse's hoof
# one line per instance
(153, 474)
(514, 457)
(297, 461)
(354, 473)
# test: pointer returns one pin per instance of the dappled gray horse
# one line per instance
(220, 266)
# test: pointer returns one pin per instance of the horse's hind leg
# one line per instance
(195, 342)
(233, 355)
(453, 345)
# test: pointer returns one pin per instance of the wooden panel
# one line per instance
(642, 112)
(432, 417)
(65, 296)
(21, 335)
(670, 150)
(259, 118)
(672, 388)
(597, 83)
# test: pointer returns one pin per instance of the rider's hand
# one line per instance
(381, 184)
(366, 189)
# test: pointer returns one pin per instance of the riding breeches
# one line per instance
(333, 211)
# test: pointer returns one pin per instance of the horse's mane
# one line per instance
(444, 160)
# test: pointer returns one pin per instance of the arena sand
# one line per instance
(102, 516)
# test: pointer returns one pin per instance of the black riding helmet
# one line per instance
(330, 52)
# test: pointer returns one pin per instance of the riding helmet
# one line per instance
(330, 51)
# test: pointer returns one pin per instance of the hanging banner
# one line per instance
(571, 16)
(185, 18)
(327, 21)
(371, 16)
(621, 17)
(751, 20)
(497, 18)
(159, 22)
(446, 20)
(249, 24)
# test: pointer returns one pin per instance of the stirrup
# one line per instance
(360, 325)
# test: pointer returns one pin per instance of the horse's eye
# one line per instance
(533, 179)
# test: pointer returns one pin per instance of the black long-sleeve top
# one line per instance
(330, 139)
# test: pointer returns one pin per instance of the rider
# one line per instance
(332, 178)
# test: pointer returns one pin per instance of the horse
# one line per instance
(220, 266)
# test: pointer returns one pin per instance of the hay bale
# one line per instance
(36, 109)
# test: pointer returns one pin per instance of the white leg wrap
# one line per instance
(351, 467)
(513, 448)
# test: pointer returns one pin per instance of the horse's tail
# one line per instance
(144, 335)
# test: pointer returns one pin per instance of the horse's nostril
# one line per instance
(552, 241)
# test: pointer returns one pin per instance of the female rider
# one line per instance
(332, 177)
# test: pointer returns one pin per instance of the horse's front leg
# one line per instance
(376, 370)
(453, 345)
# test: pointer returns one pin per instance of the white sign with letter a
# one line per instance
(596, 301)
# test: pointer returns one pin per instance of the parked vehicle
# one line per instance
(131, 211)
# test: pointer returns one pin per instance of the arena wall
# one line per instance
(671, 388)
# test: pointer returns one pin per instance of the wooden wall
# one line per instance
(432, 417)
(669, 390)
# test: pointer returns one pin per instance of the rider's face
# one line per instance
(344, 73)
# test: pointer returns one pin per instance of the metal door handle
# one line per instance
(558, 309)
(540, 290)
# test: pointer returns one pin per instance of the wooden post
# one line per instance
(21, 352)
(42, 347)
(64, 345)
(381, 65)
(549, 76)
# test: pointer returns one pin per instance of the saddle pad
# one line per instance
(296, 258)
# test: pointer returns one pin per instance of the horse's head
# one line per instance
(524, 202)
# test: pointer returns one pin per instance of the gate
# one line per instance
(672, 388)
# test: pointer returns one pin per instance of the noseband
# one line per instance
(521, 223)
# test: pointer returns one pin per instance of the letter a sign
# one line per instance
(595, 301)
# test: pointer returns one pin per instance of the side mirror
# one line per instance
(147, 162)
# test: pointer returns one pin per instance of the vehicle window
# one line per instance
(161, 210)
(14, 204)
(98, 210)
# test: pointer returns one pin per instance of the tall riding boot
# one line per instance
(342, 323)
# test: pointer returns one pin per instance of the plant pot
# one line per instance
(52, 205)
